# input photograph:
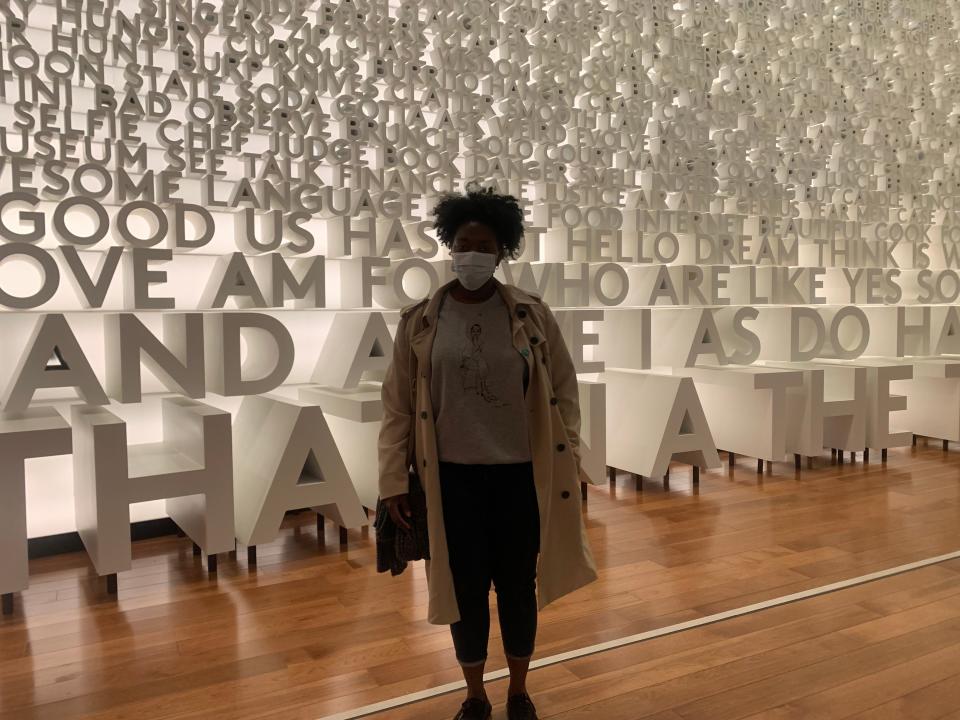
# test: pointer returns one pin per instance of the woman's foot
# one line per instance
(520, 707)
(475, 709)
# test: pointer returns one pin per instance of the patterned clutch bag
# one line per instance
(396, 546)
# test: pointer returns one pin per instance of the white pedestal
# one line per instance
(745, 406)
(191, 468)
(884, 431)
(33, 433)
(829, 410)
(653, 418)
(353, 416)
(593, 431)
(286, 458)
(933, 397)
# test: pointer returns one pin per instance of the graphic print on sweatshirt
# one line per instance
(474, 368)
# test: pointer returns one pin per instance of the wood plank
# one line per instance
(758, 672)
(936, 700)
(314, 629)
(867, 692)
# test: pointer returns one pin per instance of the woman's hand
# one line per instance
(399, 508)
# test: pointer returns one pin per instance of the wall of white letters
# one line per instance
(704, 183)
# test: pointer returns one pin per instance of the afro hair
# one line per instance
(501, 213)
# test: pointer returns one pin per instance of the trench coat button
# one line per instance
(553, 401)
(424, 415)
(534, 340)
(424, 463)
(521, 313)
(565, 494)
(561, 447)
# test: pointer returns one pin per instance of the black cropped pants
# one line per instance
(492, 524)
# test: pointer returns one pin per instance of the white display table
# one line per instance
(288, 459)
(33, 433)
(653, 418)
(933, 397)
(593, 431)
(353, 416)
(881, 372)
(191, 468)
(829, 409)
(746, 406)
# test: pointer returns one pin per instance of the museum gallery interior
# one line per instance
(739, 272)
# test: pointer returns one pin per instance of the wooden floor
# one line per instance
(890, 650)
(314, 630)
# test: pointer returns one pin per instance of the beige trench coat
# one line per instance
(566, 562)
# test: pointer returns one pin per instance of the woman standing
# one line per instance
(483, 382)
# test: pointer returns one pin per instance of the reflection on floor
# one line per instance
(314, 630)
(885, 651)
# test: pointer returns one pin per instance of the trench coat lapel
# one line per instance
(515, 299)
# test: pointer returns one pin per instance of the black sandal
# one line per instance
(520, 707)
(475, 709)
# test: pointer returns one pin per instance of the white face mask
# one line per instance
(473, 269)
